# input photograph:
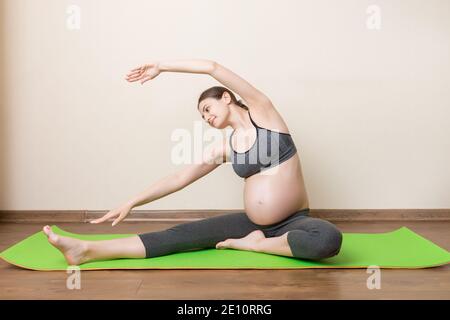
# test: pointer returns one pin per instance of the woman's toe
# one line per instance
(52, 237)
(223, 244)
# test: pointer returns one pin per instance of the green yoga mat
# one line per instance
(401, 248)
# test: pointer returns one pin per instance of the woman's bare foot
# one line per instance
(249, 242)
(74, 250)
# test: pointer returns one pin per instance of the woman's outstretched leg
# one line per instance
(200, 234)
(78, 251)
(204, 233)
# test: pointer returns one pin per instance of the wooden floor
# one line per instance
(429, 283)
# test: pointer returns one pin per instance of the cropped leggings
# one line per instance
(308, 238)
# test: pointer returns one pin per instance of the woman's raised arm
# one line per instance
(187, 65)
(151, 70)
(225, 76)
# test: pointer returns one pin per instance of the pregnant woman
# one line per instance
(261, 150)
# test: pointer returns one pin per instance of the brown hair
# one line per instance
(216, 92)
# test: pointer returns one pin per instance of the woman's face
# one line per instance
(214, 112)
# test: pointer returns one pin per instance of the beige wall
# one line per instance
(369, 109)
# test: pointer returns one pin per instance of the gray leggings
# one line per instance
(308, 238)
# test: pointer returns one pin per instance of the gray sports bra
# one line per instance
(269, 150)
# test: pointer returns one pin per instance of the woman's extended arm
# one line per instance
(212, 158)
(187, 65)
(152, 69)
(222, 74)
(158, 190)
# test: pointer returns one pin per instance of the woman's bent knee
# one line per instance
(332, 245)
(317, 245)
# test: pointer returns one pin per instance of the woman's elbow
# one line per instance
(212, 66)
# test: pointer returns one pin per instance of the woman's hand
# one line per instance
(144, 73)
(120, 213)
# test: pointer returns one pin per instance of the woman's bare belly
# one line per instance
(276, 193)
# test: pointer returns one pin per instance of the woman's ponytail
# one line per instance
(241, 104)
